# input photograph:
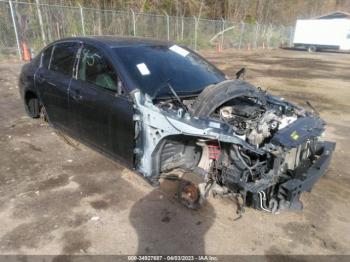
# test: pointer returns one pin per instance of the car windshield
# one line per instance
(152, 67)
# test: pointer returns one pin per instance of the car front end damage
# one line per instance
(240, 140)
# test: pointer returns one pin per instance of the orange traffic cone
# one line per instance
(218, 48)
(26, 52)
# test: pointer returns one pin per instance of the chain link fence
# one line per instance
(39, 24)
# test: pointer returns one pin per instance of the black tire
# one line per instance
(214, 96)
(32, 106)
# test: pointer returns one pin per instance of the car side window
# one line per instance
(46, 56)
(63, 58)
(95, 69)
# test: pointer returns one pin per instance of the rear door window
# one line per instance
(63, 58)
(46, 56)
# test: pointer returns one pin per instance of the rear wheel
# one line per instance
(32, 105)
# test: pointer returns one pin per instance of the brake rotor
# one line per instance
(189, 195)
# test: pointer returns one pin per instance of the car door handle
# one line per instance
(41, 79)
(50, 83)
(76, 95)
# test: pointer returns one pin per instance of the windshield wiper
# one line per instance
(177, 97)
(167, 84)
(155, 94)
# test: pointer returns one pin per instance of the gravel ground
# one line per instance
(60, 198)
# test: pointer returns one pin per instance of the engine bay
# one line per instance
(249, 118)
(243, 142)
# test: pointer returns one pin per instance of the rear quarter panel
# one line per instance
(26, 81)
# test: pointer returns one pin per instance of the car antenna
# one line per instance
(240, 72)
(313, 108)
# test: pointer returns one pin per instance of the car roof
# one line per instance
(119, 41)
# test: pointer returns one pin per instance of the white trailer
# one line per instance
(316, 34)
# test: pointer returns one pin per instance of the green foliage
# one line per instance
(147, 6)
(250, 20)
(167, 6)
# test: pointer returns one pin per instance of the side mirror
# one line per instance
(240, 72)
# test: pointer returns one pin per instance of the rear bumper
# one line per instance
(291, 190)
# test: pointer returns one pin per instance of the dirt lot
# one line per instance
(57, 198)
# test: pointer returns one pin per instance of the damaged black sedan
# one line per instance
(162, 109)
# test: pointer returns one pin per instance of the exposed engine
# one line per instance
(254, 121)
(251, 119)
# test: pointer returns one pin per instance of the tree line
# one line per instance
(283, 12)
